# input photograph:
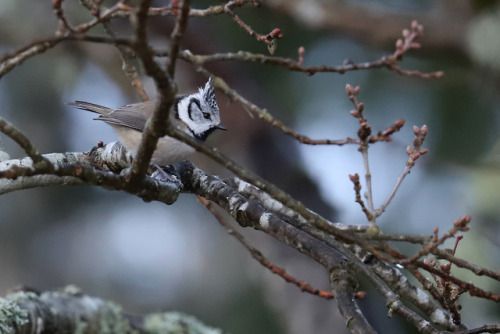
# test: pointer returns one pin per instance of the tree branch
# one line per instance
(80, 169)
(71, 311)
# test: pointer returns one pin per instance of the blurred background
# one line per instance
(150, 257)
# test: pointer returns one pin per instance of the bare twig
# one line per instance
(403, 45)
(269, 38)
(101, 17)
(211, 10)
(459, 225)
(127, 57)
(357, 189)
(413, 154)
(387, 133)
(287, 63)
(39, 162)
(10, 60)
(180, 26)
(364, 133)
(476, 269)
(64, 25)
(467, 286)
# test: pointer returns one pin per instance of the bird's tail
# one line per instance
(91, 107)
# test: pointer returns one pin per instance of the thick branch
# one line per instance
(80, 169)
(71, 311)
(303, 237)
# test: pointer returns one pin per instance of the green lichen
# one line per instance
(11, 314)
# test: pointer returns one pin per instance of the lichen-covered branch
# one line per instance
(303, 237)
(71, 311)
(95, 168)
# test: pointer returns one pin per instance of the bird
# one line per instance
(196, 114)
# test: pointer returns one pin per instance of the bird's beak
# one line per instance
(221, 127)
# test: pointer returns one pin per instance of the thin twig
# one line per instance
(357, 190)
(414, 153)
(288, 63)
(128, 68)
(269, 38)
(211, 10)
(459, 225)
(476, 269)
(364, 133)
(101, 17)
(401, 177)
(467, 286)
(39, 162)
(10, 60)
(407, 43)
(180, 27)
(64, 25)
(403, 45)
(368, 181)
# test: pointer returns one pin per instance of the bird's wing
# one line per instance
(127, 118)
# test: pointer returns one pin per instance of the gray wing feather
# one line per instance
(126, 118)
(146, 108)
(132, 116)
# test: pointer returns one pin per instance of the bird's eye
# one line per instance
(206, 115)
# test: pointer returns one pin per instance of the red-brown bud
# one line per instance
(414, 24)
(361, 106)
(354, 178)
(399, 123)
(424, 129)
(348, 89)
(416, 130)
(399, 44)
